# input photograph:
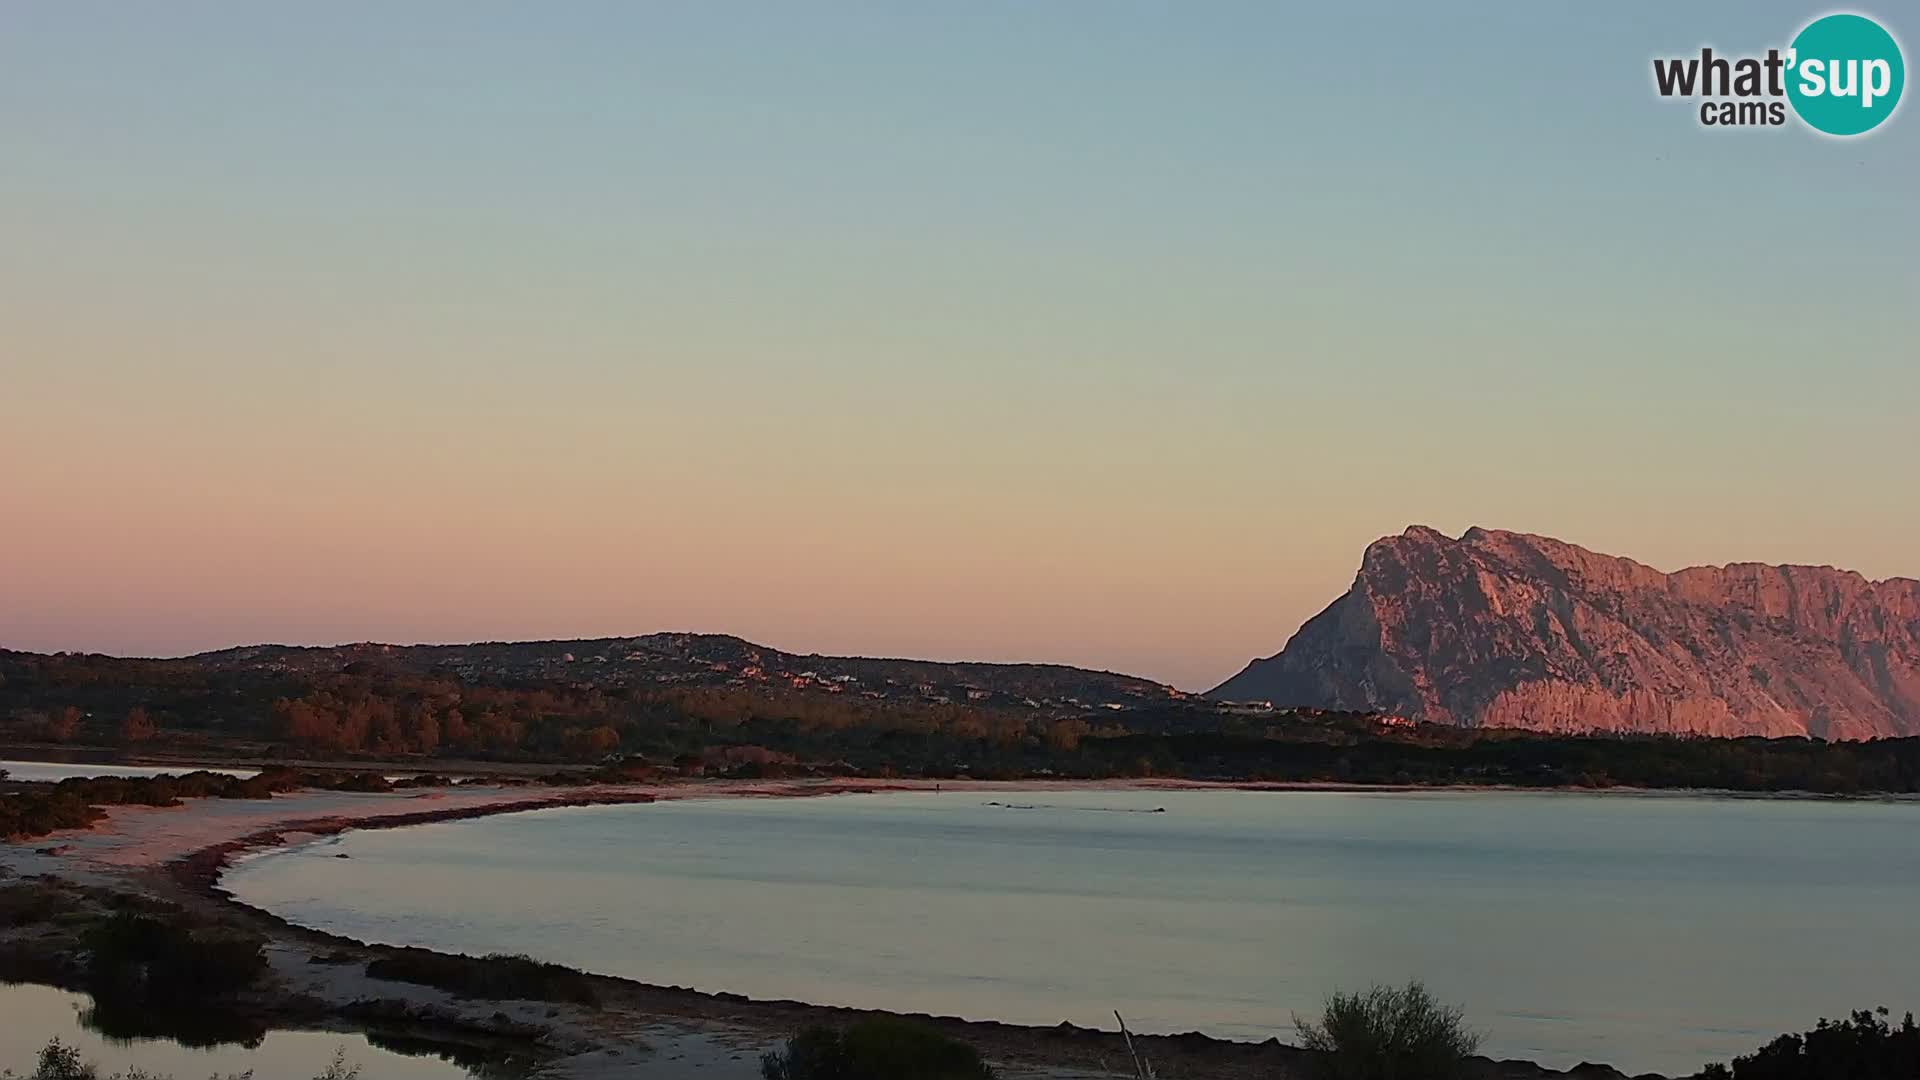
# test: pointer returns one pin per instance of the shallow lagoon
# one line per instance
(85, 770)
(1650, 932)
(34, 1014)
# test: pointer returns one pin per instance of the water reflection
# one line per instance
(191, 1046)
(55, 771)
(126, 1023)
(478, 1062)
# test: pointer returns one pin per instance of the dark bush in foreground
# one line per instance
(1389, 1033)
(136, 958)
(881, 1048)
(1863, 1047)
(24, 904)
(494, 976)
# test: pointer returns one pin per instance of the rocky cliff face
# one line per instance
(1500, 629)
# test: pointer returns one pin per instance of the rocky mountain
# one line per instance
(1502, 629)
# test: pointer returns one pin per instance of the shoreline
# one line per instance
(718, 1029)
(475, 773)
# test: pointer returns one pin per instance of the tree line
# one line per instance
(369, 714)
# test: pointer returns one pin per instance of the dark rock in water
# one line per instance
(343, 855)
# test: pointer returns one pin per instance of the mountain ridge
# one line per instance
(1507, 629)
(684, 658)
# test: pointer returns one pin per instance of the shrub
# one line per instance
(362, 782)
(423, 780)
(76, 802)
(338, 1069)
(496, 976)
(138, 958)
(27, 903)
(1862, 1047)
(41, 812)
(813, 1053)
(58, 1061)
(1389, 1033)
(879, 1048)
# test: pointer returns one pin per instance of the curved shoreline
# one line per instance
(581, 1036)
(1063, 1047)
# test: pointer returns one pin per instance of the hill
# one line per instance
(704, 660)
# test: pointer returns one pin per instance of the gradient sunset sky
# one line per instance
(1099, 333)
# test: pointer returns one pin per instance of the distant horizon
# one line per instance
(863, 654)
(376, 643)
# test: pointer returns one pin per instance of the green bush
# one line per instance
(1389, 1033)
(879, 1048)
(1862, 1047)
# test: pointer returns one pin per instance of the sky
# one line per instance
(1101, 333)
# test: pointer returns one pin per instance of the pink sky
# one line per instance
(1006, 333)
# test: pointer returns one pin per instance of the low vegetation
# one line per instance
(58, 1061)
(1389, 1033)
(878, 1048)
(27, 903)
(496, 977)
(150, 967)
(162, 963)
(1864, 1046)
(317, 703)
(36, 809)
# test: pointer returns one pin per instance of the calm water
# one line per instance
(30, 1015)
(1652, 933)
(60, 770)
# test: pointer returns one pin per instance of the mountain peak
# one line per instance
(1507, 629)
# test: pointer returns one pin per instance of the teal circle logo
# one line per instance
(1845, 74)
